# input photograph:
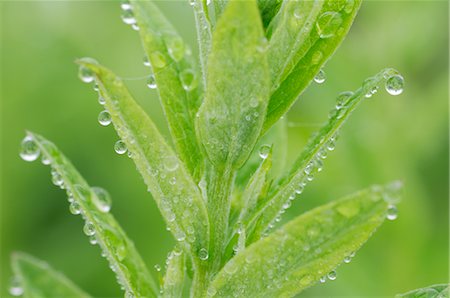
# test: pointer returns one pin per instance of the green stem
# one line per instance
(200, 280)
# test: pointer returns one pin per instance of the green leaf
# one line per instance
(310, 52)
(219, 8)
(37, 279)
(204, 33)
(119, 250)
(232, 114)
(167, 178)
(302, 251)
(177, 79)
(268, 9)
(310, 161)
(435, 291)
(175, 273)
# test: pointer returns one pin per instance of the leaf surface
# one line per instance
(118, 249)
(305, 249)
(435, 291)
(175, 274)
(38, 280)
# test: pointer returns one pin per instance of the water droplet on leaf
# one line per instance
(392, 212)
(328, 23)
(89, 229)
(85, 74)
(104, 118)
(120, 147)
(29, 149)
(203, 254)
(102, 199)
(320, 77)
(264, 151)
(188, 79)
(394, 85)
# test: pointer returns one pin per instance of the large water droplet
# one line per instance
(15, 288)
(170, 163)
(120, 147)
(332, 275)
(175, 47)
(328, 23)
(104, 118)
(342, 99)
(392, 212)
(203, 254)
(89, 229)
(151, 82)
(320, 77)
(394, 85)
(264, 151)
(158, 60)
(75, 208)
(188, 79)
(85, 74)
(29, 149)
(102, 199)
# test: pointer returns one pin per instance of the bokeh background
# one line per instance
(403, 137)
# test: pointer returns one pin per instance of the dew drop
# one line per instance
(125, 5)
(394, 85)
(120, 147)
(191, 2)
(264, 151)
(331, 145)
(89, 229)
(170, 163)
(332, 275)
(323, 279)
(45, 161)
(57, 179)
(175, 47)
(180, 236)
(347, 259)
(173, 181)
(93, 240)
(135, 27)
(128, 16)
(320, 77)
(298, 13)
(157, 267)
(104, 118)
(203, 254)
(328, 23)
(146, 61)
(102, 199)
(211, 291)
(151, 82)
(342, 98)
(15, 288)
(392, 212)
(85, 74)
(101, 100)
(75, 208)
(29, 149)
(188, 80)
(158, 60)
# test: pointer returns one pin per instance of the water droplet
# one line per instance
(29, 149)
(75, 208)
(95, 87)
(128, 16)
(394, 85)
(101, 100)
(331, 145)
(120, 147)
(146, 62)
(175, 47)
(45, 161)
(173, 181)
(157, 267)
(298, 13)
(188, 79)
(309, 168)
(264, 151)
(392, 212)
(93, 240)
(191, 2)
(342, 98)
(15, 288)
(151, 82)
(57, 179)
(157, 60)
(211, 291)
(104, 118)
(102, 199)
(89, 229)
(85, 74)
(349, 6)
(328, 23)
(203, 254)
(323, 279)
(129, 294)
(135, 27)
(320, 77)
(347, 259)
(332, 275)
(125, 5)
(180, 236)
(170, 163)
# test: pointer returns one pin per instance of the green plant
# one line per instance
(222, 186)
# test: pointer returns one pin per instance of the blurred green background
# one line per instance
(403, 137)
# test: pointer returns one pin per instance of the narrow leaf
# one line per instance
(36, 279)
(175, 274)
(232, 113)
(435, 291)
(167, 178)
(104, 230)
(302, 251)
(329, 30)
(177, 79)
(310, 162)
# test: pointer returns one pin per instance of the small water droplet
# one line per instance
(188, 79)
(120, 147)
(320, 77)
(264, 151)
(298, 13)
(332, 275)
(151, 82)
(29, 149)
(170, 163)
(104, 118)
(102, 199)
(128, 16)
(89, 229)
(328, 23)
(394, 85)
(211, 291)
(347, 259)
(175, 47)
(135, 27)
(331, 145)
(180, 236)
(392, 212)
(146, 62)
(173, 181)
(191, 2)
(45, 161)
(203, 254)
(75, 208)
(157, 60)
(323, 279)
(101, 100)
(57, 179)
(158, 267)
(342, 98)
(93, 240)
(85, 74)
(125, 5)
(15, 288)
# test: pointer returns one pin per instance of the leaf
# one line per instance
(174, 278)
(204, 33)
(268, 9)
(177, 79)
(232, 113)
(37, 279)
(119, 250)
(167, 178)
(435, 291)
(310, 162)
(309, 57)
(302, 251)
